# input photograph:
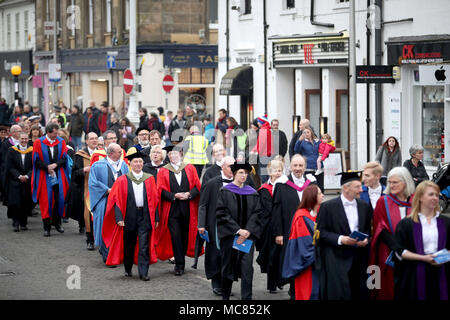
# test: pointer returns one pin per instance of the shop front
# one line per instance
(425, 92)
(89, 75)
(8, 60)
(311, 81)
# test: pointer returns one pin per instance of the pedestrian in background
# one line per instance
(415, 164)
(76, 127)
(389, 155)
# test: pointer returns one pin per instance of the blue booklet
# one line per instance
(204, 236)
(359, 236)
(442, 256)
(389, 261)
(244, 246)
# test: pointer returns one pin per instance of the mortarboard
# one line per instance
(349, 176)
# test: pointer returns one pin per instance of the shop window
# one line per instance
(290, 4)
(433, 124)
(196, 75)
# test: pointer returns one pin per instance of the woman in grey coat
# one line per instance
(389, 155)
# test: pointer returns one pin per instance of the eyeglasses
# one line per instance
(395, 182)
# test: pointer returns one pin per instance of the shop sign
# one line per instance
(418, 53)
(374, 74)
(179, 58)
(434, 75)
(311, 52)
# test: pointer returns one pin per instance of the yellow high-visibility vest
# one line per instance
(196, 153)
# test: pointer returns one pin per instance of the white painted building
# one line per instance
(307, 67)
(17, 42)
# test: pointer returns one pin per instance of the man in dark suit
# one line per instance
(340, 259)
(279, 140)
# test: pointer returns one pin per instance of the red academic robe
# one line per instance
(379, 251)
(40, 186)
(113, 234)
(164, 241)
(299, 256)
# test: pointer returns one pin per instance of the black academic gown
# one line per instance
(4, 152)
(406, 271)
(231, 216)
(18, 194)
(211, 172)
(151, 169)
(207, 219)
(75, 194)
(265, 243)
(341, 268)
(285, 204)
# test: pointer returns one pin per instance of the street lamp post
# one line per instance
(16, 71)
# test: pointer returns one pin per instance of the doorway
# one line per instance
(313, 108)
(99, 91)
(342, 124)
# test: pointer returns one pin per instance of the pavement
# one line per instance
(39, 268)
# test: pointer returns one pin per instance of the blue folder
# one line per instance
(359, 236)
(204, 236)
(442, 256)
(244, 246)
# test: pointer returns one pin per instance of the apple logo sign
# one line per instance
(440, 74)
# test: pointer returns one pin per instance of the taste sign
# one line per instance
(434, 75)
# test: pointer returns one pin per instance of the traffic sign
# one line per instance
(111, 62)
(168, 83)
(128, 81)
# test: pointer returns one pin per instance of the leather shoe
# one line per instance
(47, 233)
(217, 291)
(90, 246)
(16, 228)
(179, 272)
(59, 228)
(144, 278)
(128, 274)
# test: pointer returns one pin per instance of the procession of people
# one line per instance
(151, 195)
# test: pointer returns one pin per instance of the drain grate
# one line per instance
(7, 273)
(4, 260)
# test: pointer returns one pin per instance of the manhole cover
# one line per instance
(7, 273)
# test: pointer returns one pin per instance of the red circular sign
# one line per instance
(128, 81)
(168, 83)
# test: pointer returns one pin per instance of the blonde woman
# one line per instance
(419, 237)
(275, 169)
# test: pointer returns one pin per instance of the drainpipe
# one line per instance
(378, 87)
(368, 120)
(265, 26)
(315, 23)
(227, 32)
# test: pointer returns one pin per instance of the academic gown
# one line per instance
(4, 147)
(237, 208)
(264, 244)
(300, 256)
(215, 170)
(386, 216)
(153, 170)
(334, 261)
(416, 280)
(18, 194)
(284, 205)
(77, 200)
(40, 183)
(101, 154)
(207, 219)
(164, 247)
(122, 198)
(101, 179)
(364, 195)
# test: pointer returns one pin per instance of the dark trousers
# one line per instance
(90, 234)
(19, 215)
(199, 168)
(179, 232)
(55, 219)
(246, 266)
(129, 246)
